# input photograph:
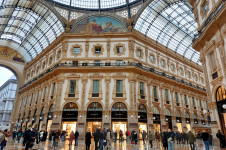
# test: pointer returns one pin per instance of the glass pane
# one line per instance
(96, 86)
(72, 86)
(119, 86)
(141, 88)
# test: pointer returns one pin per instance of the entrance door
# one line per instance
(92, 126)
(179, 126)
(142, 126)
(117, 126)
(157, 128)
(68, 126)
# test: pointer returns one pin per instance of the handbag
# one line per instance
(169, 139)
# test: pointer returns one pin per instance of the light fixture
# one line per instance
(49, 116)
(153, 118)
(80, 116)
(26, 119)
(54, 116)
(138, 116)
(178, 120)
(131, 116)
(187, 121)
(33, 119)
(166, 119)
(203, 123)
(196, 122)
(40, 118)
(21, 120)
(224, 106)
(106, 116)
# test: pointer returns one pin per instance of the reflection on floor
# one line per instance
(118, 146)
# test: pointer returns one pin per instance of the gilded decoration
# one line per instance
(101, 49)
(119, 49)
(73, 47)
(10, 54)
(139, 52)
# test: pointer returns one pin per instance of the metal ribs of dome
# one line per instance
(95, 5)
(171, 23)
(27, 27)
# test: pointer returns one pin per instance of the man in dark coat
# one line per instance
(88, 140)
(97, 138)
(205, 137)
(221, 137)
(30, 137)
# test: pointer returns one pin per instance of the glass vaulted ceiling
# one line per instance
(171, 23)
(27, 30)
(95, 4)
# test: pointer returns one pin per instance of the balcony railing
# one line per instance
(104, 65)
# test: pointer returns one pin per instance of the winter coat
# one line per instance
(151, 137)
(191, 137)
(205, 136)
(144, 135)
(76, 134)
(88, 138)
(97, 135)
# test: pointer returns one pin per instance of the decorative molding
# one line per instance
(123, 49)
(76, 46)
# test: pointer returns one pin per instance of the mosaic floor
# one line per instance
(118, 146)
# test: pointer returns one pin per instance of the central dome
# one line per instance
(95, 4)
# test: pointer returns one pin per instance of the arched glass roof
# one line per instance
(171, 23)
(95, 4)
(27, 29)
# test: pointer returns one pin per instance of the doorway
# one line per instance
(92, 126)
(69, 126)
(117, 126)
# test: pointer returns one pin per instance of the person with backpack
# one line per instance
(221, 138)
(76, 137)
(127, 135)
(14, 135)
(191, 140)
(19, 134)
(151, 138)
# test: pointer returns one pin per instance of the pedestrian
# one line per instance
(72, 137)
(135, 137)
(170, 139)
(76, 137)
(2, 139)
(108, 138)
(205, 138)
(127, 135)
(151, 137)
(96, 138)
(29, 139)
(164, 140)
(56, 135)
(132, 134)
(221, 138)
(24, 139)
(14, 135)
(50, 135)
(41, 136)
(102, 138)
(144, 135)
(120, 136)
(191, 140)
(63, 136)
(37, 136)
(88, 140)
(19, 134)
(115, 135)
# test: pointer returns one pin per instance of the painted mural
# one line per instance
(99, 25)
(9, 54)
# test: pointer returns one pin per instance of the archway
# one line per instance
(49, 118)
(119, 118)
(41, 117)
(221, 104)
(94, 116)
(69, 118)
(178, 121)
(168, 119)
(142, 118)
(156, 120)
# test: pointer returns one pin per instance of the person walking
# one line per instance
(135, 137)
(56, 135)
(96, 138)
(88, 140)
(191, 140)
(14, 135)
(221, 138)
(164, 140)
(120, 136)
(63, 136)
(29, 140)
(127, 135)
(76, 137)
(72, 137)
(19, 134)
(151, 137)
(170, 139)
(115, 135)
(2, 140)
(144, 135)
(108, 138)
(205, 138)
(102, 138)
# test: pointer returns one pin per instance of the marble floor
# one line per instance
(118, 146)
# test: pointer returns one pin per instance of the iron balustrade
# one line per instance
(106, 65)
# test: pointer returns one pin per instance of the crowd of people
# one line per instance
(104, 138)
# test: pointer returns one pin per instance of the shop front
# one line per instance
(49, 119)
(187, 119)
(119, 118)
(156, 120)
(41, 118)
(69, 118)
(94, 117)
(178, 121)
(142, 119)
(168, 119)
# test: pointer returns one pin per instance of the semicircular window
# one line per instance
(172, 24)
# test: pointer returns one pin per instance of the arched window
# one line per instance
(119, 107)
(142, 108)
(187, 115)
(70, 112)
(167, 112)
(94, 107)
(220, 94)
(70, 107)
(195, 116)
(156, 111)
(119, 111)
(178, 114)
(142, 113)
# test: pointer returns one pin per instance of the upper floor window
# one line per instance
(196, 78)
(58, 54)
(31, 99)
(119, 62)
(152, 58)
(53, 89)
(96, 85)
(119, 88)
(193, 100)
(139, 52)
(76, 50)
(207, 105)
(205, 7)
(200, 101)
(72, 88)
(189, 74)
(44, 94)
(213, 65)
(163, 63)
(142, 90)
(185, 100)
(181, 71)
(50, 60)
(172, 67)
(166, 95)
(97, 49)
(177, 99)
(37, 97)
(155, 92)
(119, 49)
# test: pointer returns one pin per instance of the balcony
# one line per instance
(95, 94)
(71, 95)
(142, 97)
(119, 94)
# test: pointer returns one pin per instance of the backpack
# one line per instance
(2, 137)
(19, 134)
